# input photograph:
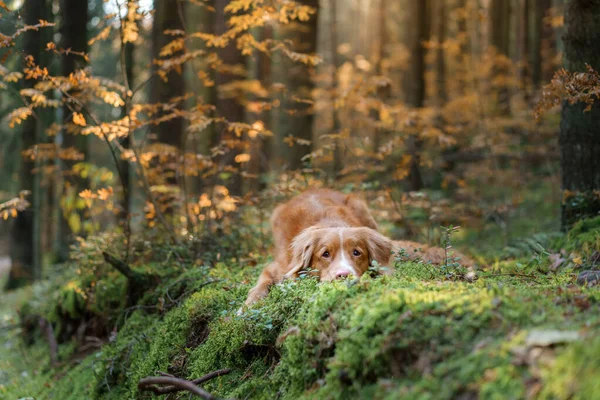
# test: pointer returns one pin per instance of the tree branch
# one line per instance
(175, 385)
(119, 266)
(46, 327)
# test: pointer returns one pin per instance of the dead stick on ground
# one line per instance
(176, 384)
(46, 326)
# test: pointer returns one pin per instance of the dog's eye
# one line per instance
(356, 253)
(326, 254)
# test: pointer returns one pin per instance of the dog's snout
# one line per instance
(342, 274)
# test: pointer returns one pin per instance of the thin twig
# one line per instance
(46, 326)
(119, 265)
(513, 275)
(197, 381)
(175, 385)
(212, 375)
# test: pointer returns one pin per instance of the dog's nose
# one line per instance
(342, 274)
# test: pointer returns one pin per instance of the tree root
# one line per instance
(176, 384)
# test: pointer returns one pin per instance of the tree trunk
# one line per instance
(124, 166)
(462, 58)
(74, 18)
(300, 84)
(523, 48)
(229, 108)
(26, 230)
(414, 82)
(542, 32)
(579, 130)
(259, 68)
(440, 61)
(167, 17)
(335, 129)
(500, 40)
(383, 93)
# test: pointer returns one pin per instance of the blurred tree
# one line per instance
(300, 84)
(542, 34)
(580, 126)
(440, 61)
(127, 65)
(228, 106)
(73, 30)
(414, 80)
(500, 39)
(170, 87)
(26, 229)
(523, 51)
(333, 37)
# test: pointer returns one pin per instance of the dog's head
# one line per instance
(332, 253)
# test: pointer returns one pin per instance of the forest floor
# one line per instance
(522, 329)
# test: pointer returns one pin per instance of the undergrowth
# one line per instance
(519, 329)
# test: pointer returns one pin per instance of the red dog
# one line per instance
(333, 235)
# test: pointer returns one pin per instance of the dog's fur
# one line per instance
(331, 235)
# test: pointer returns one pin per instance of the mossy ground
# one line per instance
(521, 330)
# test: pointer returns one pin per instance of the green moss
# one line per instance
(574, 373)
(412, 335)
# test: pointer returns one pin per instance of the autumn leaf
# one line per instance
(18, 116)
(103, 35)
(242, 158)
(105, 194)
(78, 119)
(13, 77)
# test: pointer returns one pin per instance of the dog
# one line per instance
(330, 235)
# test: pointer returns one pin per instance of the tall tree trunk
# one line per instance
(129, 62)
(259, 68)
(579, 130)
(500, 39)
(523, 47)
(414, 81)
(164, 91)
(383, 93)
(463, 56)
(440, 61)
(300, 123)
(333, 37)
(228, 107)
(26, 230)
(74, 18)
(542, 35)
(166, 17)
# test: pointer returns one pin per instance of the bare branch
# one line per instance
(46, 327)
(175, 385)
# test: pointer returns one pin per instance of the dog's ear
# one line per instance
(360, 209)
(380, 247)
(302, 249)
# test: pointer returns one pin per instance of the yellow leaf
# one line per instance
(86, 194)
(13, 77)
(78, 119)
(19, 115)
(242, 158)
(578, 260)
(104, 194)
